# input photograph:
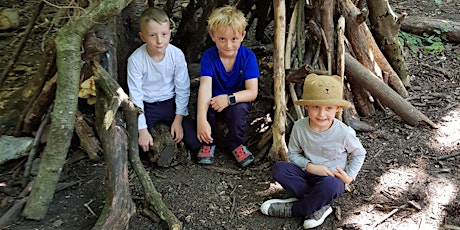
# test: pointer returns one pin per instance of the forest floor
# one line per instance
(402, 174)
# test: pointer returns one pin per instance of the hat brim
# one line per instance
(342, 103)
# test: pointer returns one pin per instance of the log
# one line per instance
(165, 151)
(420, 25)
(88, 139)
(366, 79)
(112, 90)
(119, 205)
(38, 108)
(368, 53)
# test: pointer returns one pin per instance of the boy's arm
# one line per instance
(204, 97)
(357, 154)
(181, 83)
(250, 93)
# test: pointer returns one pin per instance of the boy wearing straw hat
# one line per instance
(319, 147)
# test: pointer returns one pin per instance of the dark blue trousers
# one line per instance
(312, 191)
(235, 118)
(165, 111)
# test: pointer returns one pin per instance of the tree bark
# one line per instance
(279, 124)
(385, 28)
(68, 43)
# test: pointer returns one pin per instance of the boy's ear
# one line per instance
(140, 36)
(244, 35)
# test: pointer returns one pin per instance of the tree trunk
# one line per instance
(279, 124)
(68, 45)
(385, 28)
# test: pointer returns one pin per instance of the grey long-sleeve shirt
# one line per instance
(336, 147)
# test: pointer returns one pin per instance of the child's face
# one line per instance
(156, 36)
(227, 41)
(321, 116)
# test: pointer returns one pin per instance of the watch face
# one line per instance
(231, 99)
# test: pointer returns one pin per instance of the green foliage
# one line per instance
(438, 1)
(430, 43)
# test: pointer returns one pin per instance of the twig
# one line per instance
(384, 218)
(232, 210)
(448, 156)
(452, 227)
(33, 151)
(89, 208)
(24, 38)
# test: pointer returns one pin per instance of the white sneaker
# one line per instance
(278, 207)
(317, 218)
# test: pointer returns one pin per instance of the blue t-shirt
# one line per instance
(223, 82)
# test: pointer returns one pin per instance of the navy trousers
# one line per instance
(235, 118)
(312, 191)
(165, 111)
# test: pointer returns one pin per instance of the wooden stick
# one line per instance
(384, 218)
(33, 151)
(447, 156)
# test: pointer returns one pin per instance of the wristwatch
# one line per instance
(231, 99)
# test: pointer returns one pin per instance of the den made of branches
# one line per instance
(357, 41)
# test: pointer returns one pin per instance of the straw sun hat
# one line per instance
(323, 90)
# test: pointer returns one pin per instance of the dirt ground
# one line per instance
(401, 176)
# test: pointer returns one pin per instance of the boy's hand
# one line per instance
(177, 133)
(319, 170)
(204, 132)
(342, 175)
(219, 103)
(145, 139)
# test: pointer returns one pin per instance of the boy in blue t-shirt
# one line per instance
(228, 85)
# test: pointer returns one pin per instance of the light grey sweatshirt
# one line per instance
(336, 147)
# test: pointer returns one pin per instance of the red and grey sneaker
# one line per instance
(243, 156)
(206, 154)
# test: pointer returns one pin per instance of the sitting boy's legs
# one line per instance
(236, 120)
(313, 194)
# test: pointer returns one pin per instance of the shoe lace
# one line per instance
(280, 209)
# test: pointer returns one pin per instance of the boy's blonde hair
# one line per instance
(227, 16)
(153, 14)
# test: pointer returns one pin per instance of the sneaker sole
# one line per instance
(264, 207)
(307, 224)
(205, 161)
(247, 161)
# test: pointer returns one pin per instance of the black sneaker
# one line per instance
(278, 207)
(317, 218)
